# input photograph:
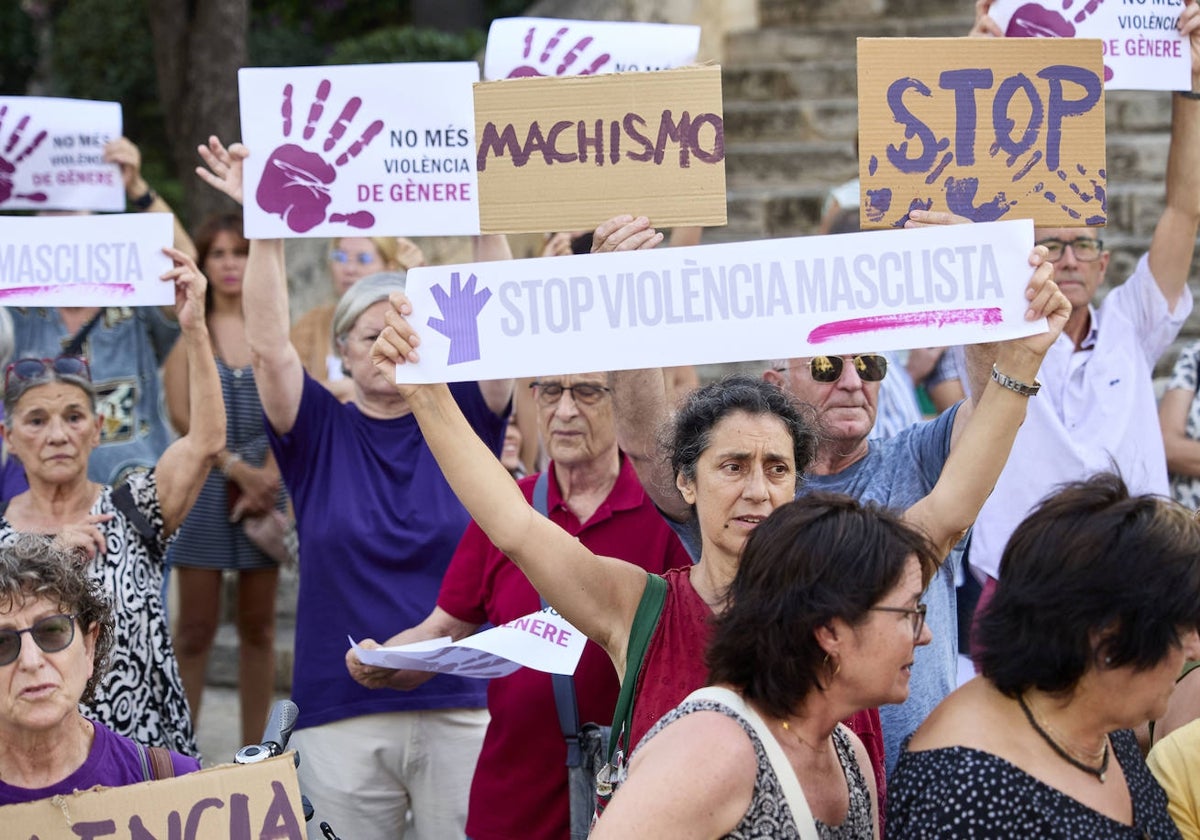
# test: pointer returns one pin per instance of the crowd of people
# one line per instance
(770, 570)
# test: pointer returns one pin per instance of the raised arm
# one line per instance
(982, 449)
(1174, 240)
(278, 371)
(599, 595)
(640, 409)
(182, 469)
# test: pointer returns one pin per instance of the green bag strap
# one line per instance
(644, 621)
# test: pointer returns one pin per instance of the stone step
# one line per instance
(866, 13)
(803, 163)
(833, 39)
(223, 660)
(779, 80)
(813, 119)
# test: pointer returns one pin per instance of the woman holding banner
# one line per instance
(377, 524)
(56, 631)
(738, 453)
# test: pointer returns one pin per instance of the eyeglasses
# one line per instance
(52, 634)
(362, 258)
(27, 369)
(871, 367)
(917, 613)
(549, 393)
(1085, 249)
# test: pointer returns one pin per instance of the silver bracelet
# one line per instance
(1015, 385)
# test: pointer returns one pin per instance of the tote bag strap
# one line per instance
(649, 610)
(783, 768)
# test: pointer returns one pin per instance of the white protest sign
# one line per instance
(769, 299)
(369, 149)
(527, 46)
(113, 260)
(543, 640)
(52, 154)
(1142, 49)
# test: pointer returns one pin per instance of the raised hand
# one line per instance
(11, 157)
(460, 310)
(398, 342)
(625, 233)
(295, 182)
(224, 172)
(190, 284)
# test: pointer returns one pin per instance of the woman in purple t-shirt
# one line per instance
(46, 746)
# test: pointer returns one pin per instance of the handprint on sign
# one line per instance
(8, 167)
(1035, 21)
(296, 182)
(543, 60)
(460, 308)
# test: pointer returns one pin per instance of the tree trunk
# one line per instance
(198, 47)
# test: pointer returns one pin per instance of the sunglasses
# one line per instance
(362, 258)
(549, 393)
(871, 367)
(25, 370)
(52, 634)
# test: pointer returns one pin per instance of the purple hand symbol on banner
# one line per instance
(296, 182)
(460, 310)
(8, 168)
(543, 60)
(1035, 21)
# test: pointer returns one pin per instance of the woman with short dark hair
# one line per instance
(1096, 609)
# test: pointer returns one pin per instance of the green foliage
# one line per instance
(18, 50)
(408, 44)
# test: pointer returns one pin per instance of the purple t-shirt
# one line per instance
(378, 525)
(112, 762)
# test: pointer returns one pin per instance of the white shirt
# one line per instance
(1096, 412)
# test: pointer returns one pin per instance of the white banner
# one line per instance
(52, 154)
(770, 299)
(1142, 49)
(520, 47)
(362, 150)
(543, 640)
(113, 260)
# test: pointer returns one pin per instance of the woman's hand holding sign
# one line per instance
(397, 343)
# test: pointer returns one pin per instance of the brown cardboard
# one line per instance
(230, 802)
(955, 162)
(670, 181)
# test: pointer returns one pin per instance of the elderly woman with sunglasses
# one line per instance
(52, 426)
(56, 631)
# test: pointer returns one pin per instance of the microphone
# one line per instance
(275, 737)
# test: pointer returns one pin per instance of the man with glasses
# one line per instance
(592, 491)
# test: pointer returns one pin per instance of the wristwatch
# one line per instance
(1022, 388)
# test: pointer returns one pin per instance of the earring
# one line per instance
(1108, 661)
(837, 666)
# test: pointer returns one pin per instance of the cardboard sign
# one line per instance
(707, 304)
(365, 150)
(1142, 49)
(112, 260)
(543, 640)
(52, 154)
(521, 47)
(988, 128)
(567, 153)
(230, 802)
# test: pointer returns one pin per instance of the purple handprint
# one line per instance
(570, 58)
(295, 182)
(1035, 21)
(460, 308)
(9, 168)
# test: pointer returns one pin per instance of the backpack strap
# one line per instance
(147, 772)
(161, 766)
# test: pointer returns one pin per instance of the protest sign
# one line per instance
(527, 46)
(365, 150)
(744, 301)
(1142, 49)
(52, 154)
(113, 260)
(230, 802)
(543, 640)
(567, 153)
(988, 128)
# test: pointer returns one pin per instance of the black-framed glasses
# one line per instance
(30, 368)
(585, 393)
(917, 615)
(52, 634)
(1084, 248)
(871, 367)
(362, 258)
